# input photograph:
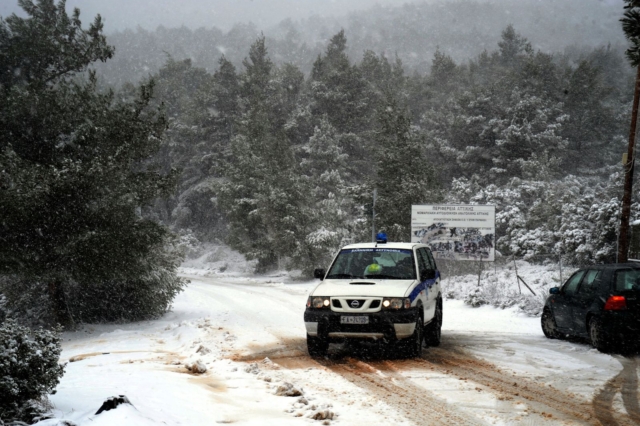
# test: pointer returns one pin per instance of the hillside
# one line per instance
(462, 29)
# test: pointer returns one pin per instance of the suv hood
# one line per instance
(364, 287)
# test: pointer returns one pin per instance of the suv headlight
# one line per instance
(397, 303)
(318, 302)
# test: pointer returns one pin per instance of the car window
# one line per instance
(589, 282)
(627, 279)
(422, 260)
(432, 262)
(570, 287)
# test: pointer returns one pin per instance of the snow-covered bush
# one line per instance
(145, 296)
(25, 300)
(29, 369)
(532, 305)
(474, 298)
(131, 299)
(499, 286)
(189, 244)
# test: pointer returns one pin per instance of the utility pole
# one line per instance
(623, 236)
(631, 28)
(373, 216)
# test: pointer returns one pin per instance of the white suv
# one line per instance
(388, 291)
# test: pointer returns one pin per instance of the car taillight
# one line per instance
(615, 303)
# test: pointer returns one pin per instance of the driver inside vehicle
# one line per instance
(373, 269)
(405, 268)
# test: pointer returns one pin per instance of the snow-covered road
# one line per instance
(493, 367)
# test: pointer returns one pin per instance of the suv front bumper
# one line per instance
(388, 325)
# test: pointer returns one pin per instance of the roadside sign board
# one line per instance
(455, 232)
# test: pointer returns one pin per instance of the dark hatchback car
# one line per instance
(599, 303)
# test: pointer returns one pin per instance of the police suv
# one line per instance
(381, 291)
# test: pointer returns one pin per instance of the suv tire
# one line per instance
(317, 346)
(433, 331)
(412, 346)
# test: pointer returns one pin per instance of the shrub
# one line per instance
(475, 298)
(120, 299)
(147, 296)
(29, 369)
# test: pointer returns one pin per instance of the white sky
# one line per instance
(121, 14)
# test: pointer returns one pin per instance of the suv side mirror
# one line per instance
(427, 274)
(554, 290)
(319, 273)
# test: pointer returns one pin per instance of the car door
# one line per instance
(432, 296)
(429, 294)
(423, 263)
(583, 299)
(562, 302)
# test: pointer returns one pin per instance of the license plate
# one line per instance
(354, 320)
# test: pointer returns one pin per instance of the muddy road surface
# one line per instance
(479, 375)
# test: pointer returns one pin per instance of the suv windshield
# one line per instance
(381, 263)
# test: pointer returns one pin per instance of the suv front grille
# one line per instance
(355, 303)
(359, 305)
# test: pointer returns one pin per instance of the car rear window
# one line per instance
(628, 279)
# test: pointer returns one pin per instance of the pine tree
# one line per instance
(329, 211)
(340, 93)
(404, 174)
(75, 172)
(197, 143)
(226, 90)
(261, 192)
(513, 45)
(591, 121)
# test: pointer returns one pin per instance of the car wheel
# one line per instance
(434, 329)
(317, 346)
(599, 338)
(548, 322)
(413, 344)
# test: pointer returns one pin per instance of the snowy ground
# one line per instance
(494, 367)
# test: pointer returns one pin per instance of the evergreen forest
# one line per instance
(276, 150)
(282, 164)
(118, 157)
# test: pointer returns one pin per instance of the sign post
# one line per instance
(456, 232)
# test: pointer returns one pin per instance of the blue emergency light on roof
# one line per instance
(381, 237)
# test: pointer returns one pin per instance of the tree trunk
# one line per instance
(623, 237)
(59, 303)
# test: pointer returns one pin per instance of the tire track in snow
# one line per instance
(416, 403)
(542, 399)
(625, 382)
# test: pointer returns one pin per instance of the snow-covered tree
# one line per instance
(329, 206)
(340, 93)
(574, 218)
(74, 172)
(261, 191)
(405, 175)
(201, 109)
(493, 139)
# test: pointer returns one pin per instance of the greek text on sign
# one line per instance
(455, 232)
